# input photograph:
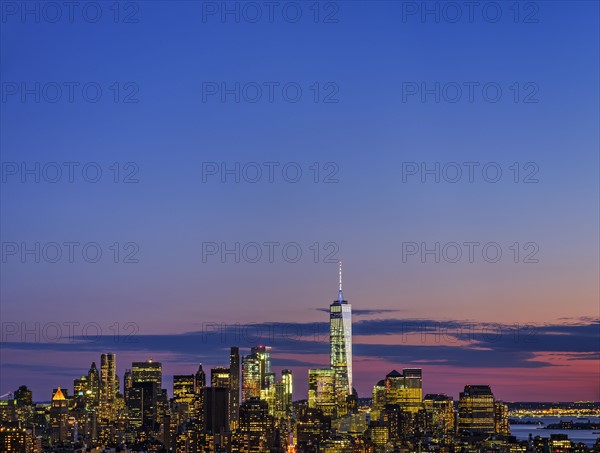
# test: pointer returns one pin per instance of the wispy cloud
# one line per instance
(420, 341)
(368, 311)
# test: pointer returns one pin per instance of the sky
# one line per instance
(181, 177)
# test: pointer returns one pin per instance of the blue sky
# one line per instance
(367, 57)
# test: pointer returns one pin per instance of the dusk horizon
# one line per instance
(299, 227)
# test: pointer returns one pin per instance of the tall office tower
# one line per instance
(250, 377)
(135, 407)
(234, 385)
(147, 376)
(143, 398)
(395, 390)
(59, 417)
(148, 371)
(220, 377)
(263, 354)
(80, 387)
(93, 398)
(283, 395)
(127, 384)
(476, 409)
(215, 409)
(200, 379)
(378, 400)
(8, 411)
(14, 438)
(162, 405)
(108, 386)
(379, 435)
(440, 412)
(199, 384)
(183, 394)
(23, 398)
(404, 390)
(312, 427)
(502, 426)
(340, 342)
(256, 427)
(413, 380)
(257, 379)
(81, 415)
(321, 390)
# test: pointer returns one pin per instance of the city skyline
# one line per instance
(339, 341)
(247, 409)
(180, 182)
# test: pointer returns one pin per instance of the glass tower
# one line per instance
(340, 342)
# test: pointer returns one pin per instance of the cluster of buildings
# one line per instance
(204, 413)
(246, 408)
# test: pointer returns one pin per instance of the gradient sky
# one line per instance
(171, 294)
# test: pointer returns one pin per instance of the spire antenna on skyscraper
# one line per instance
(340, 295)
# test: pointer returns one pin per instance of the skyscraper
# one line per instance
(501, 419)
(93, 397)
(476, 410)
(263, 353)
(147, 377)
(283, 395)
(183, 394)
(402, 389)
(234, 385)
(440, 412)
(148, 371)
(413, 381)
(200, 379)
(250, 377)
(127, 384)
(199, 384)
(220, 377)
(378, 400)
(257, 378)
(321, 390)
(215, 409)
(256, 427)
(59, 417)
(108, 386)
(340, 342)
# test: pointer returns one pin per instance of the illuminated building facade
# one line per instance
(16, 439)
(183, 394)
(440, 411)
(283, 395)
(59, 417)
(257, 378)
(92, 395)
(219, 377)
(340, 342)
(250, 377)
(108, 386)
(256, 433)
(215, 409)
(403, 389)
(502, 426)
(413, 382)
(321, 390)
(148, 371)
(476, 411)
(378, 400)
(146, 392)
(234, 386)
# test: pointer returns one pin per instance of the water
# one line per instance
(575, 435)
